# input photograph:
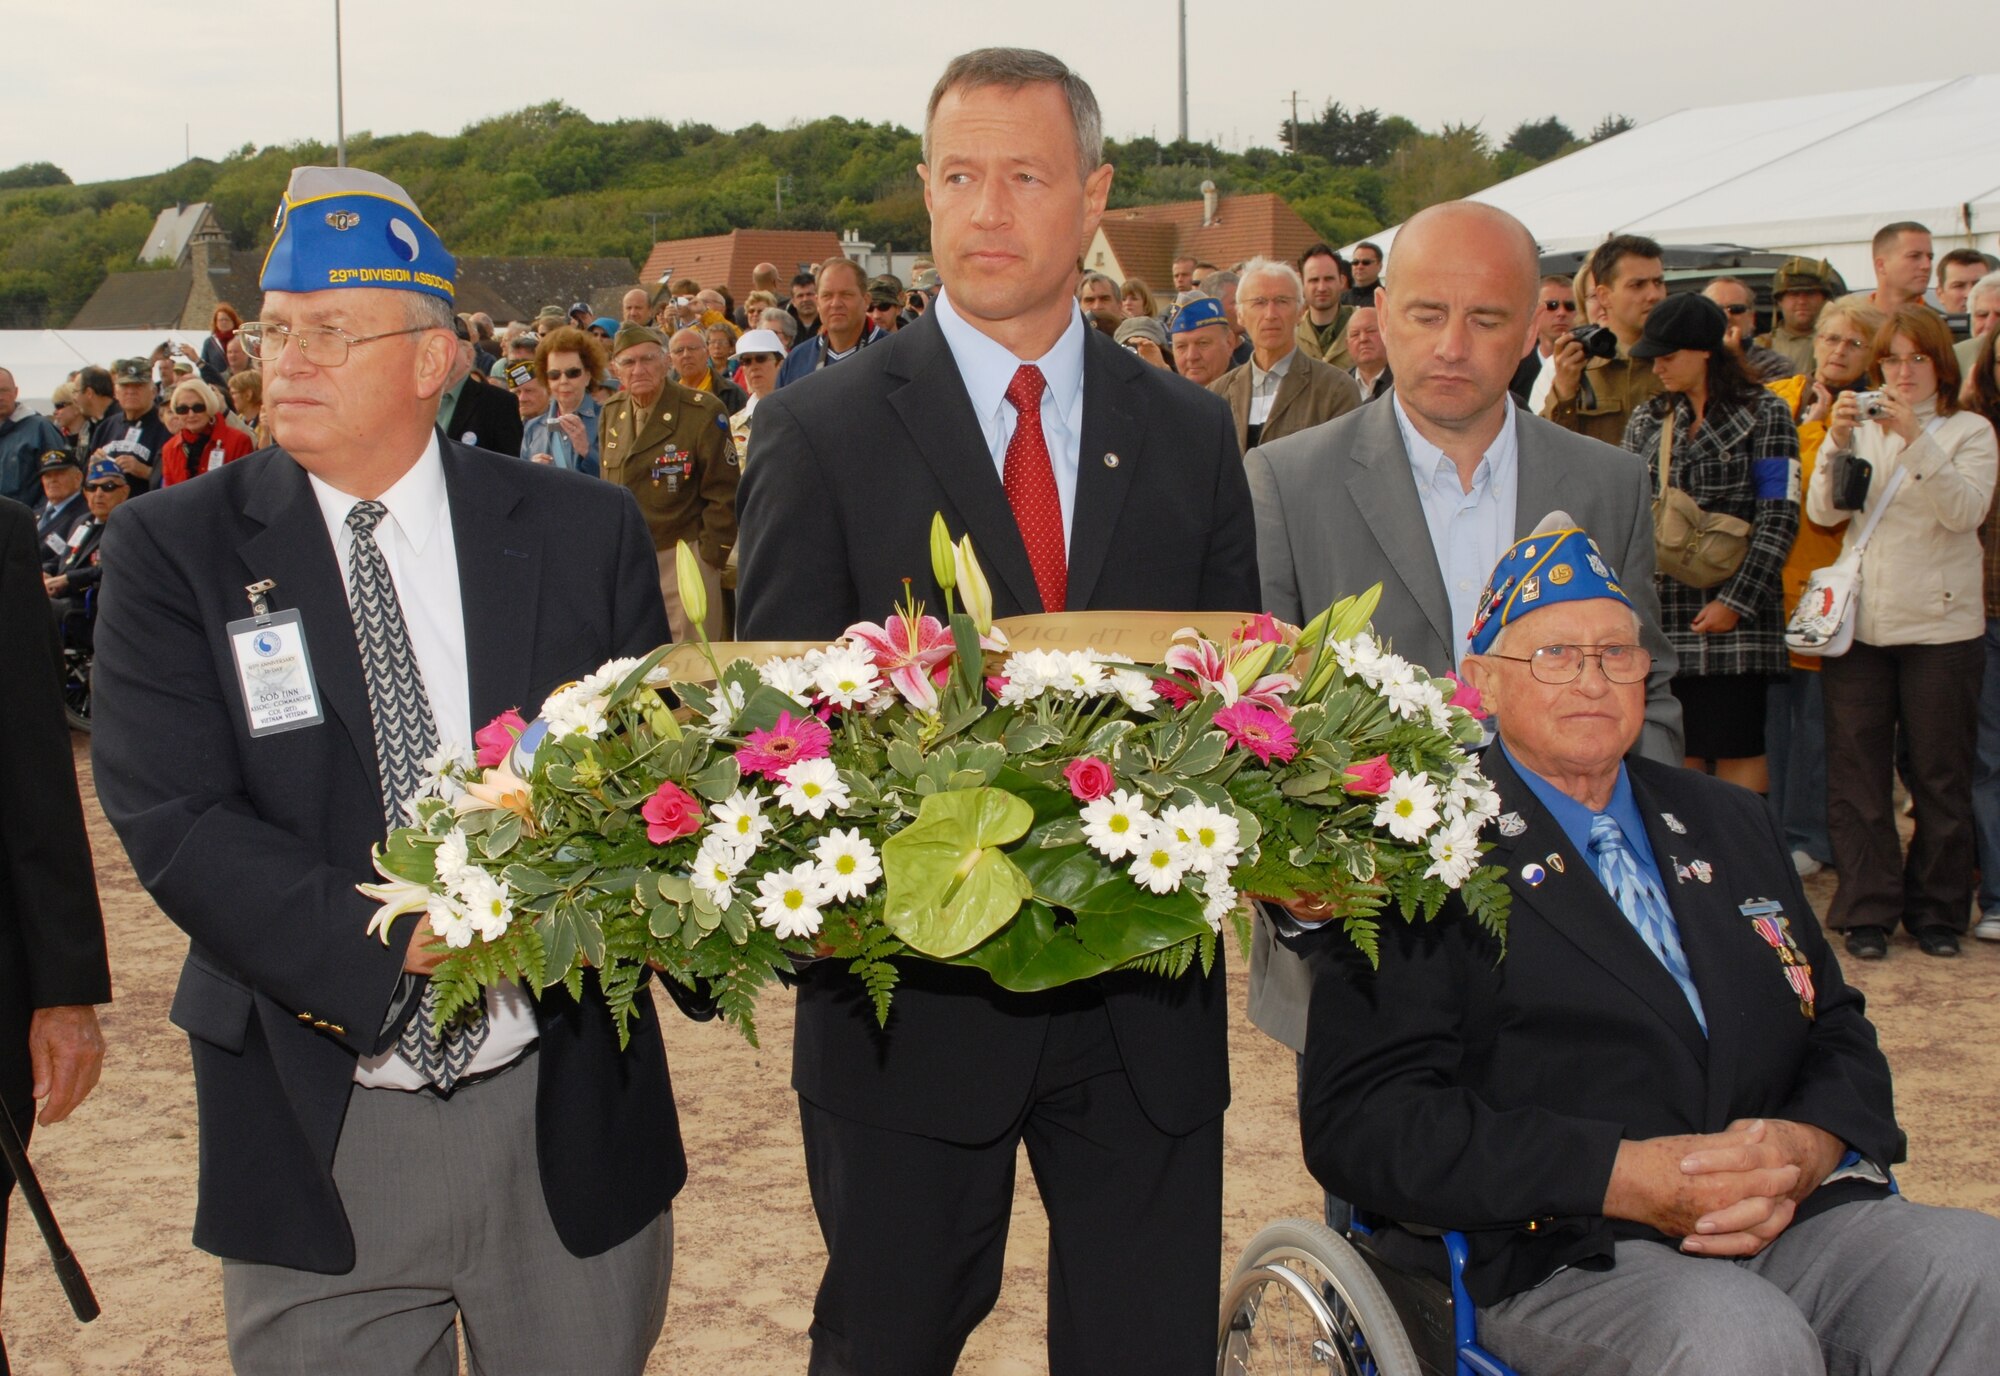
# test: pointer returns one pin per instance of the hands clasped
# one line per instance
(1729, 1193)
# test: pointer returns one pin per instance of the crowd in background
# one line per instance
(1763, 425)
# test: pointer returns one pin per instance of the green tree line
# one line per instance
(550, 181)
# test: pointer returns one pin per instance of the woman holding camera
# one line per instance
(1917, 658)
(1843, 346)
(1731, 446)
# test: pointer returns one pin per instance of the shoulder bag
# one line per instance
(1692, 546)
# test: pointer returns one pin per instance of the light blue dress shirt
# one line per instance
(987, 367)
(1469, 530)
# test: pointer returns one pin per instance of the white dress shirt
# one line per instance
(1264, 385)
(986, 366)
(416, 540)
(1469, 530)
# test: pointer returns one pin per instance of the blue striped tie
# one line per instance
(405, 732)
(1638, 896)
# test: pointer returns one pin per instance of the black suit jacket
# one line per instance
(486, 417)
(51, 931)
(1457, 1090)
(847, 466)
(59, 522)
(254, 846)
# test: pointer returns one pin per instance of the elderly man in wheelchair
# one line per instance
(1659, 1119)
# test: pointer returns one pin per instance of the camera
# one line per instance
(1869, 406)
(1598, 341)
(1851, 477)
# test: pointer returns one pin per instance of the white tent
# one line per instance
(1815, 175)
(39, 359)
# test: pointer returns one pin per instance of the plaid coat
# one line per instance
(1743, 461)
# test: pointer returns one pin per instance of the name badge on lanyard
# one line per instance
(274, 668)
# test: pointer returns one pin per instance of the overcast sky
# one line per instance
(103, 89)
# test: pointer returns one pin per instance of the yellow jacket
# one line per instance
(1816, 545)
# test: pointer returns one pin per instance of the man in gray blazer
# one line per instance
(1282, 389)
(1423, 494)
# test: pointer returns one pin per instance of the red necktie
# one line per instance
(1030, 480)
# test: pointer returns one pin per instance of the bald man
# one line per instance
(1424, 492)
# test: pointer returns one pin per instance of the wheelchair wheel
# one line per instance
(76, 688)
(1303, 1301)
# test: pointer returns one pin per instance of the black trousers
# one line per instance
(1932, 693)
(916, 1227)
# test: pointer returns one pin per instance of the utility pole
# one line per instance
(1295, 123)
(653, 222)
(339, 96)
(1183, 8)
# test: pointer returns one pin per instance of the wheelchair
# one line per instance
(1305, 1298)
(75, 629)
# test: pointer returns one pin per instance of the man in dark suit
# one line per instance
(481, 415)
(1104, 483)
(1423, 492)
(365, 1180)
(1662, 1120)
(62, 507)
(52, 963)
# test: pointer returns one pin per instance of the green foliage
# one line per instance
(1539, 140)
(1611, 126)
(33, 174)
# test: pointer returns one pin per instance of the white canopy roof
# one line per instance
(39, 359)
(1816, 175)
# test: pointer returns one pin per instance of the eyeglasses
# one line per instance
(565, 373)
(1260, 303)
(104, 487)
(329, 348)
(747, 359)
(1902, 360)
(1559, 664)
(195, 410)
(1739, 310)
(1559, 307)
(1841, 341)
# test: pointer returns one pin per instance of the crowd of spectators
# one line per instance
(1749, 415)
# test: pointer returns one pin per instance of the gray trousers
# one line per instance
(1867, 1289)
(445, 1199)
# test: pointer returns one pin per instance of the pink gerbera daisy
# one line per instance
(1259, 730)
(790, 740)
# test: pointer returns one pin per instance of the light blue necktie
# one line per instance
(1638, 896)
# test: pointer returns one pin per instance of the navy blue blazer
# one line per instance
(254, 846)
(1455, 1089)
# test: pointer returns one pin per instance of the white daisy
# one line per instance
(1219, 902)
(1359, 658)
(1161, 860)
(1080, 675)
(572, 712)
(1470, 796)
(1454, 852)
(487, 905)
(789, 676)
(1211, 835)
(740, 820)
(846, 678)
(725, 704)
(1116, 826)
(449, 921)
(716, 866)
(811, 787)
(454, 857)
(1134, 689)
(1410, 808)
(607, 676)
(788, 901)
(848, 864)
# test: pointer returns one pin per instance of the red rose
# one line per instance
(1369, 776)
(1089, 778)
(670, 814)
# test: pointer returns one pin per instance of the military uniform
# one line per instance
(680, 463)
(1797, 347)
(1611, 389)
(1327, 343)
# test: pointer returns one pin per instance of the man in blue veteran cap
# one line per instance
(1662, 1120)
(373, 1183)
(1202, 340)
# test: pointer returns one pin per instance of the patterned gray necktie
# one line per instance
(405, 733)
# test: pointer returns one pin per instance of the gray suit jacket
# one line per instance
(1310, 393)
(1338, 511)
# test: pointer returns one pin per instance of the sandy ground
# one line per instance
(121, 1172)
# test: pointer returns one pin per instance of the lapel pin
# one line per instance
(1702, 870)
(1555, 862)
(1110, 460)
(1533, 875)
(1673, 824)
(1511, 824)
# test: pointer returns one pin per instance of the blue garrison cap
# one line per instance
(1540, 570)
(1203, 310)
(342, 227)
(105, 469)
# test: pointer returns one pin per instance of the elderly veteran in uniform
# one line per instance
(1281, 389)
(1662, 1119)
(375, 1186)
(670, 446)
(1202, 340)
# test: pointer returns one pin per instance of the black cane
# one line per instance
(69, 1271)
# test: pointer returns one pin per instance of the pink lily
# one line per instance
(911, 650)
(1224, 674)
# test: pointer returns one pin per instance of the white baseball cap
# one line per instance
(759, 342)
